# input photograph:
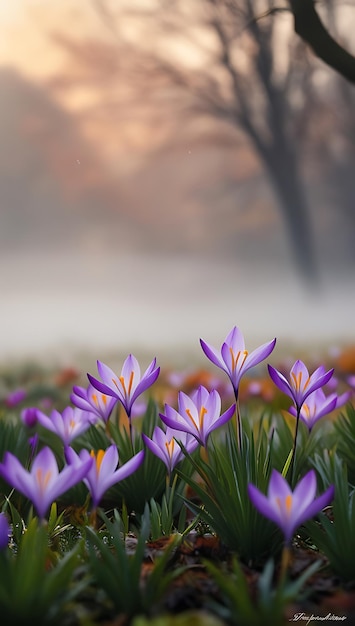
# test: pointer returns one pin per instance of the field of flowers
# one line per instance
(210, 497)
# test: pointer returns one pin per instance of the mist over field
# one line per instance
(128, 222)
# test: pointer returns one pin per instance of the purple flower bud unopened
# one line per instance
(4, 531)
(29, 416)
(15, 397)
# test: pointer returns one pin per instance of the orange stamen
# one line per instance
(130, 382)
(122, 381)
(98, 456)
(235, 358)
(288, 503)
(191, 418)
(104, 399)
(170, 447)
(43, 480)
(94, 397)
(203, 412)
(297, 380)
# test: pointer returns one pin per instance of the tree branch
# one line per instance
(310, 28)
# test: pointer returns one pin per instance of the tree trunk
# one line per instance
(281, 164)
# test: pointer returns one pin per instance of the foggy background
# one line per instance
(169, 170)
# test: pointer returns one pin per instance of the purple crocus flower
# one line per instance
(91, 400)
(129, 385)
(67, 425)
(165, 445)
(15, 397)
(198, 415)
(234, 359)
(301, 383)
(318, 405)
(289, 509)
(44, 483)
(4, 531)
(29, 416)
(104, 473)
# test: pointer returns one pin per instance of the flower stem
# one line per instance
(294, 446)
(239, 421)
(285, 562)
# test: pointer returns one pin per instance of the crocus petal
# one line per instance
(280, 381)
(102, 387)
(320, 382)
(150, 368)
(109, 460)
(212, 354)
(129, 467)
(175, 424)
(262, 504)
(145, 383)
(343, 399)
(305, 492)
(223, 419)
(157, 450)
(80, 391)
(316, 506)
(258, 355)
(278, 486)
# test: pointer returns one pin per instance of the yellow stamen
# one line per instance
(288, 502)
(72, 424)
(305, 408)
(98, 456)
(297, 380)
(191, 418)
(94, 397)
(235, 358)
(203, 412)
(122, 381)
(104, 399)
(307, 383)
(170, 447)
(115, 382)
(43, 480)
(130, 383)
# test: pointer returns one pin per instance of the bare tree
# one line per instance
(309, 26)
(238, 82)
(239, 85)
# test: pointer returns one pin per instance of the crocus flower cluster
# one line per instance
(317, 405)
(300, 384)
(89, 399)
(184, 429)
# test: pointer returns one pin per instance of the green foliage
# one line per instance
(335, 535)
(269, 602)
(345, 431)
(226, 506)
(119, 573)
(35, 583)
(170, 514)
